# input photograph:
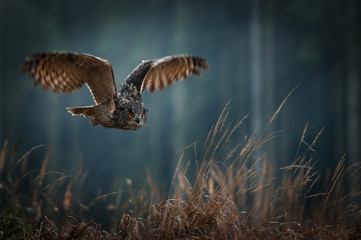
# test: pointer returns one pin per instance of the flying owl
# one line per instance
(123, 108)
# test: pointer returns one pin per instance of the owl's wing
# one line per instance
(166, 71)
(67, 72)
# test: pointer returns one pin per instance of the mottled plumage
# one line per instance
(123, 108)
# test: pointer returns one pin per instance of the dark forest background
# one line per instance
(258, 52)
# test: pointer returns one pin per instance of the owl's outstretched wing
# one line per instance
(166, 71)
(67, 72)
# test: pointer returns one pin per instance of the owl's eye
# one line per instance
(142, 116)
(131, 115)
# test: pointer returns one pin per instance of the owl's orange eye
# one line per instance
(142, 115)
(131, 115)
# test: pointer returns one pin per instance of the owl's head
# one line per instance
(131, 116)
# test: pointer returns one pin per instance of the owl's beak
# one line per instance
(138, 120)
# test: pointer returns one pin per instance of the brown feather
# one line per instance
(166, 71)
(67, 72)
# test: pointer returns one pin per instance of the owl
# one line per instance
(123, 109)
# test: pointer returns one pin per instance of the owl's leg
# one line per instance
(96, 112)
(94, 122)
(85, 111)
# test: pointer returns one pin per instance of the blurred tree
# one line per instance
(256, 80)
(353, 82)
(333, 31)
(269, 72)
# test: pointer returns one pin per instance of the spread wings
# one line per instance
(166, 71)
(67, 72)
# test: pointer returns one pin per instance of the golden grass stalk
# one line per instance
(235, 194)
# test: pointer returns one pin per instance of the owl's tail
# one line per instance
(85, 111)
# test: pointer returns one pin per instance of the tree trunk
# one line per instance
(53, 126)
(339, 109)
(256, 90)
(353, 99)
(268, 76)
(177, 100)
(353, 87)
(255, 68)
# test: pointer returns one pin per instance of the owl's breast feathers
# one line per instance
(127, 93)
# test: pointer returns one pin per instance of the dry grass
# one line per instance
(239, 196)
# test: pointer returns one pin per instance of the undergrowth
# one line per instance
(240, 196)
